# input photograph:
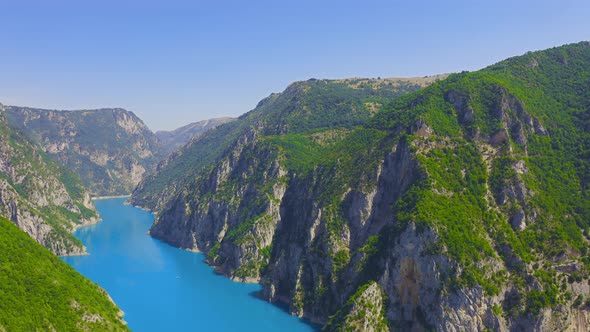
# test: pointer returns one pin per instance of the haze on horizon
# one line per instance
(178, 62)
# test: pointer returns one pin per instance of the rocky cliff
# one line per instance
(304, 106)
(175, 139)
(38, 195)
(109, 149)
(462, 206)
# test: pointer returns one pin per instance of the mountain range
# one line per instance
(109, 149)
(368, 206)
(449, 202)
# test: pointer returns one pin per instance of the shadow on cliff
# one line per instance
(285, 307)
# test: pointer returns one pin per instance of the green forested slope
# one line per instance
(531, 114)
(39, 292)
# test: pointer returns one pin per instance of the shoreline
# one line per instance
(89, 222)
(108, 197)
(75, 227)
(138, 207)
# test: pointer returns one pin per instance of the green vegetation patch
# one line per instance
(40, 292)
(361, 310)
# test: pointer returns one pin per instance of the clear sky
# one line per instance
(175, 62)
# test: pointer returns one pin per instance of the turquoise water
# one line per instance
(162, 288)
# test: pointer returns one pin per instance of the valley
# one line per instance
(446, 202)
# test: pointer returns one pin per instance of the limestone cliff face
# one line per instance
(109, 149)
(233, 221)
(39, 196)
(52, 234)
(320, 255)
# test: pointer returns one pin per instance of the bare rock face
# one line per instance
(518, 221)
(421, 128)
(109, 149)
(415, 279)
(501, 137)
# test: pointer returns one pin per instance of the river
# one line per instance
(162, 288)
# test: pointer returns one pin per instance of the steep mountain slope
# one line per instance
(38, 195)
(303, 107)
(175, 139)
(109, 149)
(39, 292)
(463, 206)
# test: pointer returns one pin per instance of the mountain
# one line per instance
(462, 206)
(307, 106)
(39, 292)
(40, 196)
(175, 139)
(109, 149)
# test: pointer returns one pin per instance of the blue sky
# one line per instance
(175, 62)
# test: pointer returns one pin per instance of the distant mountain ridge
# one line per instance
(40, 196)
(304, 106)
(109, 149)
(173, 140)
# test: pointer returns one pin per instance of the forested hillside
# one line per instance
(39, 292)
